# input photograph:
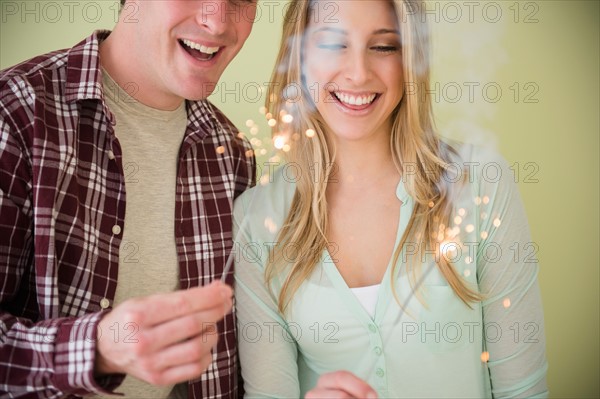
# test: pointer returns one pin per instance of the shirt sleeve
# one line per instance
(268, 360)
(507, 270)
(42, 358)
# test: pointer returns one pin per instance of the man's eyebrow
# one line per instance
(382, 31)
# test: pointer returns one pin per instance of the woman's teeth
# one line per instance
(355, 100)
(199, 47)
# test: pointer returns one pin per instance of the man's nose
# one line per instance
(216, 16)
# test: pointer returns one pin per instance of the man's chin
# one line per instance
(201, 91)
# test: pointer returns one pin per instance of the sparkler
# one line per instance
(280, 142)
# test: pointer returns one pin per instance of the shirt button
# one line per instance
(116, 229)
(104, 303)
(380, 373)
(111, 155)
(377, 351)
(372, 328)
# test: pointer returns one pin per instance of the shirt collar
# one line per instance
(84, 79)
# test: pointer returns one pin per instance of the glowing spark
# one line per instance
(467, 272)
(279, 142)
(264, 180)
(249, 153)
(241, 135)
(497, 222)
(263, 151)
(431, 204)
(269, 115)
(254, 130)
(477, 200)
(249, 123)
(272, 122)
(469, 228)
(468, 261)
(484, 235)
(462, 211)
(262, 110)
(506, 303)
(485, 356)
(286, 148)
(220, 149)
(310, 133)
(448, 249)
(270, 225)
(287, 118)
(457, 220)
(486, 199)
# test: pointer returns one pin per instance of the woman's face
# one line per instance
(353, 66)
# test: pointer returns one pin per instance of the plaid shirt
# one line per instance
(62, 204)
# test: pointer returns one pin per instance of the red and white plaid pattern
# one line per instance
(60, 196)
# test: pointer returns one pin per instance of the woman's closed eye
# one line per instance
(385, 49)
(331, 46)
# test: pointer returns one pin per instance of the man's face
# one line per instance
(184, 45)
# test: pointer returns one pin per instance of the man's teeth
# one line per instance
(199, 47)
(355, 100)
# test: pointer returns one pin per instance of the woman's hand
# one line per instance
(341, 384)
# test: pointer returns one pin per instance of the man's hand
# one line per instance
(341, 384)
(169, 338)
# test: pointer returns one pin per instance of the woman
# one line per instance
(380, 260)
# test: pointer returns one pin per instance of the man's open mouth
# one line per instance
(198, 51)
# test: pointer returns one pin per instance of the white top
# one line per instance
(367, 296)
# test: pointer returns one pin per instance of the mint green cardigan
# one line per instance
(407, 350)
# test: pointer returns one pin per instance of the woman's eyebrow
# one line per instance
(386, 31)
(330, 29)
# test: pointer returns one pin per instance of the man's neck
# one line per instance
(131, 75)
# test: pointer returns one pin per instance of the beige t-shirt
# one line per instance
(150, 140)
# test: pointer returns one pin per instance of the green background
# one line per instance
(543, 56)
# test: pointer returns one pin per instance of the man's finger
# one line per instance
(190, 351)
(186, 372)
(183, 328)
(163, 307)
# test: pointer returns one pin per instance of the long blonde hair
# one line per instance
(413, 141)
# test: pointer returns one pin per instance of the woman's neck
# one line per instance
(363, 164)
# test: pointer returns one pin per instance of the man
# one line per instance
(116, 182)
